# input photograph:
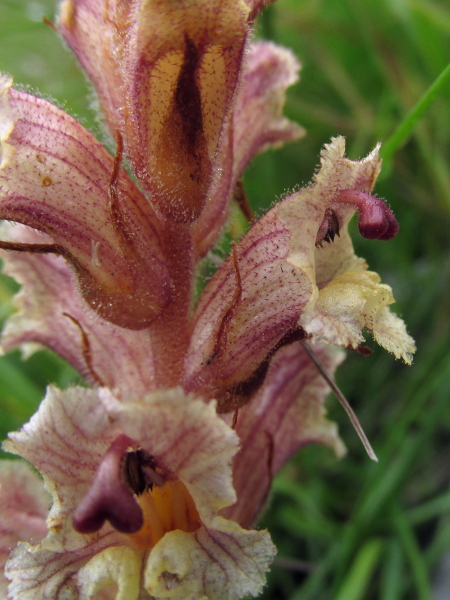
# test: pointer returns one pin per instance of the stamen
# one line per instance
(116, 214)
(140, 471)
(34, 248)
(342, 399)
(376, 219)
(224, 327)
(95, 259)
(241, 198)
(86, 350)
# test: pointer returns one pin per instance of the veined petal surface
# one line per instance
(346, 298)
(96, 31)
(286, 414)
(56, 177)
(256, 125)
(23, 509)
(52, 312)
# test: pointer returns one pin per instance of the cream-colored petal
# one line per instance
(225, 563)
(65, 440)
(118, 565)
(390, 332)
(188, 437)
(68, 438)
(345, 298)
(355, 301)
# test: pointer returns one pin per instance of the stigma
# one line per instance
(137, 496)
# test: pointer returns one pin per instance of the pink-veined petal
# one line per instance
(285, 415)
(63, 441)
(95, 31)
(23, 509)
(347, 298)
(51, 311)
(246, 308)
(221, 563)
(56, 177)
(280, 280)
(258, 120)
(257, 124)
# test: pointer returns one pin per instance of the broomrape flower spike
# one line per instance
(158, 470)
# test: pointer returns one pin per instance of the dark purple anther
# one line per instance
(328, 229)
(108, 498)
(376, 219)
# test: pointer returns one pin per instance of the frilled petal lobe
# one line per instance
(258, 120)
(212, 563)
(23, 509)
(257, 124)
(285, 415)
(182, 68)
(66, 450)
(118, 565)
(185, 437)
(56, 177)
(51, 311)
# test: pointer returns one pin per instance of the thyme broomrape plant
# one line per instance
(157, 472)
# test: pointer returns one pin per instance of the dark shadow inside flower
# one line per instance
(240, 393)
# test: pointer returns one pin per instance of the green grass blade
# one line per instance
(361, 572)
(392, 573)
(418, 568)
(405, 128)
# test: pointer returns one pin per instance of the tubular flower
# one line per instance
(159, 469)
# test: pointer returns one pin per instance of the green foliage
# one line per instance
(348, 529)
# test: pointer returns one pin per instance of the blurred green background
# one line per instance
(348, 529)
